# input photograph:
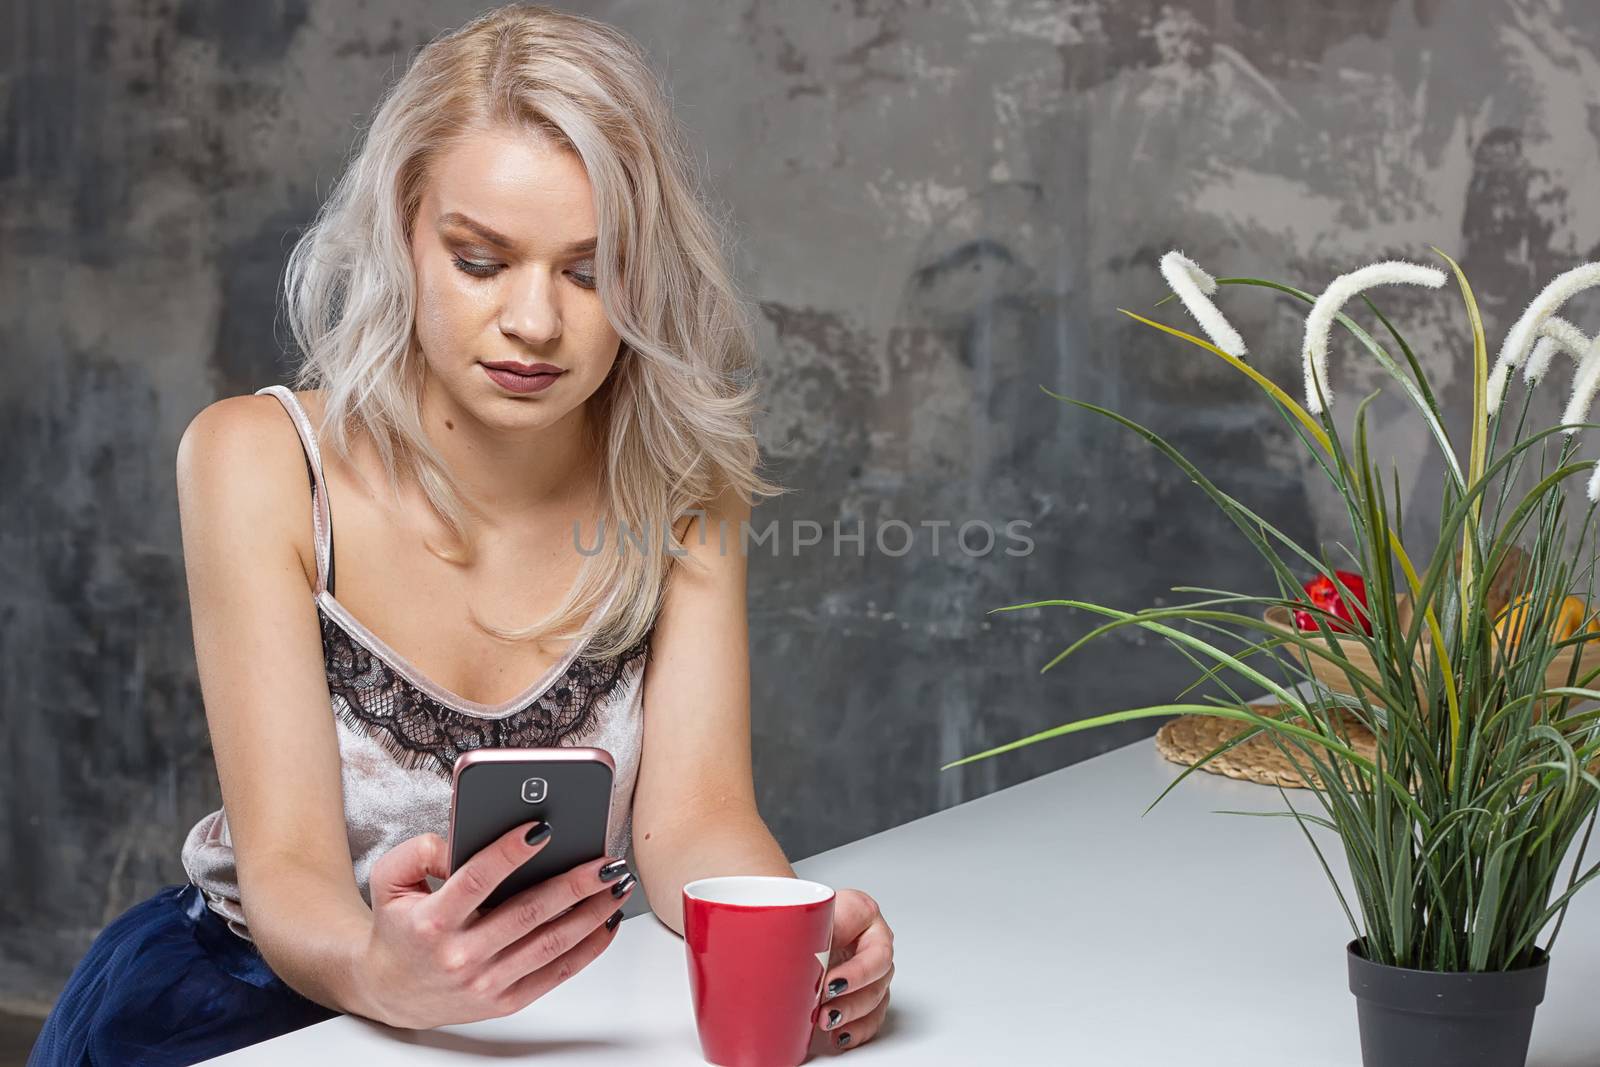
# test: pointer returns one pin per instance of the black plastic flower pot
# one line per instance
(1461, 1018)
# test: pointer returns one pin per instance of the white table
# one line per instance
(1047, 923)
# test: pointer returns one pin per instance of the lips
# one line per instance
(514, 367)
(522, 378)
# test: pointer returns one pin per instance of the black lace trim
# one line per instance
(417, 730)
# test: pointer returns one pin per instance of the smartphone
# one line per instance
(493, 790)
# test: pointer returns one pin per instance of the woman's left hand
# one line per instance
(855, 989)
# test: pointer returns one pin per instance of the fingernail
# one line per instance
(537, 833)
(836, 987)
(622, 887)
(834, 1016)
(844, 1039)
(613, 870)
(611, 923)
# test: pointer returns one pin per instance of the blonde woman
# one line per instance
(517, 324)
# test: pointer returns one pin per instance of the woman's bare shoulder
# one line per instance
(242, 455)
(239, 434)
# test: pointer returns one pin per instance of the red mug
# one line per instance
(758, 950)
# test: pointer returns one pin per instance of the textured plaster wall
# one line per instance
(939, 207)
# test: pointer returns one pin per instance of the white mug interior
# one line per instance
(758, 891)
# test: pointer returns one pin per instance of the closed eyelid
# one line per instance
(582, 275)
(587, 264)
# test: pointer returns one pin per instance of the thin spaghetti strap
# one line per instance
(321, 513)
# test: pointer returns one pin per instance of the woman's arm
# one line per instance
(694, 806)
(245, 506)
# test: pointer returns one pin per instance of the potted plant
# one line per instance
(1470, 659)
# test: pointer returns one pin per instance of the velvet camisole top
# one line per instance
(400, 733)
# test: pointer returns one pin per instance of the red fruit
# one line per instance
(1324, 594)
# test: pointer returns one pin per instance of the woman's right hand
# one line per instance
(432, 959)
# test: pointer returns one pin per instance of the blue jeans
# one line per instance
(168, 983)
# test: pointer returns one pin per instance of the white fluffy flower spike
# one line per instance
(1559, 333)
(1522, 335)
(1556, 335)
(1194, 287)
(1584, 386)
(1319, 323)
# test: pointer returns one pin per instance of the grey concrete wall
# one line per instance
(939, 208)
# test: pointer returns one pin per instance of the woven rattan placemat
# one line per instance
(1189, 737)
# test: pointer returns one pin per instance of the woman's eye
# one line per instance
(582, 278)
(474, 268)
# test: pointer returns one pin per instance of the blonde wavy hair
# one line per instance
(673, 421)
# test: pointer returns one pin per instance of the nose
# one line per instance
(532, 311)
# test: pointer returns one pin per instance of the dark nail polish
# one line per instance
(613, 870)
(834, 1015)
(844, 1039)
(537, 833)
(611, 923)
(622, 887)
(836, 987)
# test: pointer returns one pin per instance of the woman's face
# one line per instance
(503, 247)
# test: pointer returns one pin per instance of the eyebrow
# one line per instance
(456, 218)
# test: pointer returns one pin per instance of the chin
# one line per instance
(511, 414)
(514, 414)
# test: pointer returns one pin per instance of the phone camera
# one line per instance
(534, 789)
